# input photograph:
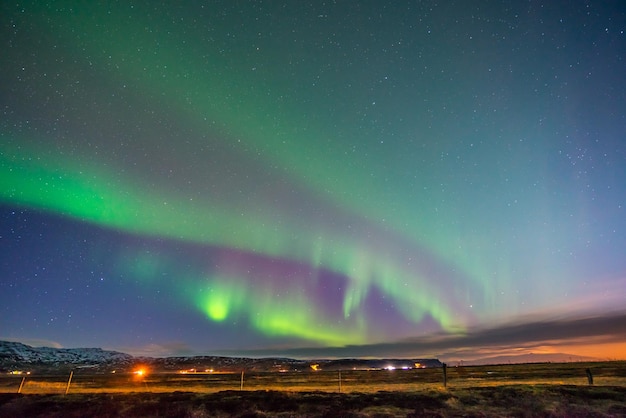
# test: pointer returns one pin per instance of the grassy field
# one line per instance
(494, 401)
(508, 390)
(604, 374)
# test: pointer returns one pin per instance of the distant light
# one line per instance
(140, 372)
(390, 368)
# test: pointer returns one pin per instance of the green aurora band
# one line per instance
(70, 185)
(88, 194)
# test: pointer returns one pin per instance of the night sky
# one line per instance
(348, 178)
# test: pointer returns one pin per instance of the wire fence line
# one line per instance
(600, 374)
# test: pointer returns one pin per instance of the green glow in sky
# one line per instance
(216, 97)
(60, 186)
(228, 175)
(290, 314)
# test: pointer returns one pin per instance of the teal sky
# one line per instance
(227, 176)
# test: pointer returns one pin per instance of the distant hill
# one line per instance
(530, 358)
(17, 356)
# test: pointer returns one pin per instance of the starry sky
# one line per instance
(349, 178)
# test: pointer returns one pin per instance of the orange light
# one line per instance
(139, 372)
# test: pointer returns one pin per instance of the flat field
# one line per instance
(529, 390)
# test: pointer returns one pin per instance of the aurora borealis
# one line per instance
(225, 176)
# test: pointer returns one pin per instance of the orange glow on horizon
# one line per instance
(564, 350)
(601, 351)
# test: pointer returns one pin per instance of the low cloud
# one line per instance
(34, 342)
(172, 349)
(600, 329)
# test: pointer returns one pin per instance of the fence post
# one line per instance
(589, 376)
(339, 381)
(445, 374)
(241, 387)
(19, 390)
(67, 389)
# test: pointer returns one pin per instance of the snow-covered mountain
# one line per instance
(14, 355)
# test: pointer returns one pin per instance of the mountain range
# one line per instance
(18, 357)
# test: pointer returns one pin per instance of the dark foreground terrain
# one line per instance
(498, 401)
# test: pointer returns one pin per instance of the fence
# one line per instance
(79, 381)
